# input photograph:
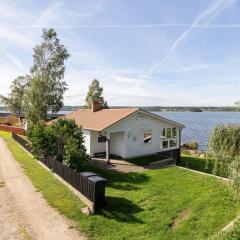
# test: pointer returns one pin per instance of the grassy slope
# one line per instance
(195, 163)
(146, 160)
(140, 205)
(232, 235)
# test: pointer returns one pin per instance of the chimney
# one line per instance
(96, 105)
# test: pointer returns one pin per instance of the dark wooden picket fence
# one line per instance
(89, 184)
(23, 142)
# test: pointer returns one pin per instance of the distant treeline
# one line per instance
(190, 109)
(162, 109)
(167, 109)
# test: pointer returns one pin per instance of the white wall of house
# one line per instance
(134, 128)
(87, 141)
(117, 143)
(96, 147)
(91, 142)
(127, 137)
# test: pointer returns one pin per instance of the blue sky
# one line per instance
(144, 52)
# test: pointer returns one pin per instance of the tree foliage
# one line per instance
(237, 106)
(47, 84)
(95, 92)
(14, 102)
(224, 150)
(62, 140)
(43, 89)
(193, 145)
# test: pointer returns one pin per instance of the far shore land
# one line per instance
(164, 108)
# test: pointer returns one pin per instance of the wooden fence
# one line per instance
(23, 142)
(12, 129)
(89, 184)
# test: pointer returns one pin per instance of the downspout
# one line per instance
(179, 139)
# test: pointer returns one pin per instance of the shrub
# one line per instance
(62, 140)
(40, 140)
(224, 149)
(193, 145)
(75, 154)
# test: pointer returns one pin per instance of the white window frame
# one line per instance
(165, 138)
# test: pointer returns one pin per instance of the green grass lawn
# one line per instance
(146, 160)
(161, 204)
(198, 164)
(195, 163)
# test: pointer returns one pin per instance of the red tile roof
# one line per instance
(101, 119)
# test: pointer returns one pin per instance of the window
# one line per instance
(147, 137)
(173, 143)
(165, 144)
(168, 138)
(163, 133)
(169, 132)
(174, 132)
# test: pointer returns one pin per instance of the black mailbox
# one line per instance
(86, 188)
(98, 183)
(88, 174)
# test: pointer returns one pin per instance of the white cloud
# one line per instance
(113, 83)
(204, 17)
(130, 26)
(50, 14)
(14, 59)
(235, 85)
(88, 61)
(8, 74)
(61, 14)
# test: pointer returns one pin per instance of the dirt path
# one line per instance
(24, 214)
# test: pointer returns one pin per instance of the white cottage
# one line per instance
(128, 132)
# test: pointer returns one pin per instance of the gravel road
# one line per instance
(24, 214)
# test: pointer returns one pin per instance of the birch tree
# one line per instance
(47, 84)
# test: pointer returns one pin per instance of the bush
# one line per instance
(62, 140)
(193, 145)
(224, 149)
(40, 140)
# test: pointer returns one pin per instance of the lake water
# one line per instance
(199, 124)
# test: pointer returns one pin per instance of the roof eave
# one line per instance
(92, 129)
